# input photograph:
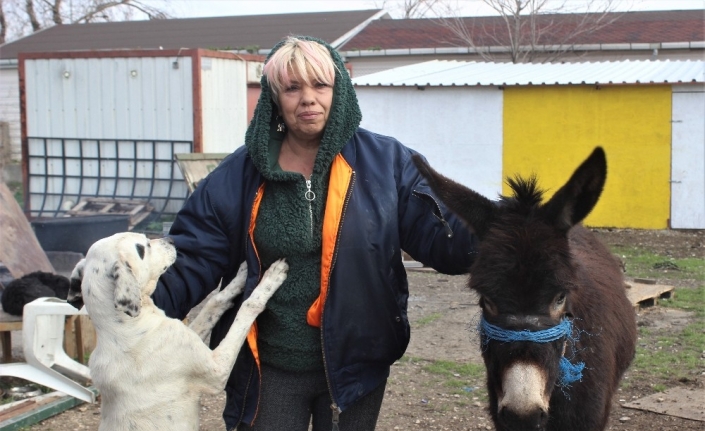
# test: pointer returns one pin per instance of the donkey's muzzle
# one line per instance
(534, 420)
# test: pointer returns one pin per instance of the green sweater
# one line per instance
(289, 226)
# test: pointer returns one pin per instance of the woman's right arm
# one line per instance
(203, 253)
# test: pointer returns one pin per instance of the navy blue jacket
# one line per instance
(383, 206)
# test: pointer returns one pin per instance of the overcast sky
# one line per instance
(202, 8)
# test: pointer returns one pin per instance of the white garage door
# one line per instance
(688, 158)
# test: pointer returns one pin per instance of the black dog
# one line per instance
(30, 287)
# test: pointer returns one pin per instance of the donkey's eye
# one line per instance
(560, 300)
(488, 306)
(140, 250)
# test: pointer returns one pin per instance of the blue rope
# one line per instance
(569, 373)
(557, 332)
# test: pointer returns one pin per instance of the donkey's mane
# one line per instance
(526, 193)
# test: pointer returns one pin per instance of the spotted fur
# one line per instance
(150, 369)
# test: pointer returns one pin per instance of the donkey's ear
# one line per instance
(473, 208)
(574, 201)
(127, 289)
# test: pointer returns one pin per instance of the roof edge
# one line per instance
(540, 48)
(443, 73)
(9, 63)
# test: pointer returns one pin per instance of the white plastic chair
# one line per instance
(43, 341)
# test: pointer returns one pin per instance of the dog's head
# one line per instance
(121, 268)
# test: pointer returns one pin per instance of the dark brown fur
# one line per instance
(531, 256)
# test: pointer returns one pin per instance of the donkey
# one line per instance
(557, 329)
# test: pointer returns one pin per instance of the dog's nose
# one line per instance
(169, 239)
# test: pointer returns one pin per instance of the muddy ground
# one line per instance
(443, 313)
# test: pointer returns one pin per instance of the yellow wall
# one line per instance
(549, 131)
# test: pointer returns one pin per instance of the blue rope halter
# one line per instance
(569, 373)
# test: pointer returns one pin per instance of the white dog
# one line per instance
(150, 369)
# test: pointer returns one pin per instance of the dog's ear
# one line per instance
(77, 272)
(127, 289)
(75, 296)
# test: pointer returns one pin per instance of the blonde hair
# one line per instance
(308, 60)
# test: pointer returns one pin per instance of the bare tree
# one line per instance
(56, 12)
(102, 10)
(26, 16)
(3, 23)
(31, 15)
(529, 31)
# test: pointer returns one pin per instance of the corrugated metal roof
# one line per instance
(463, 73)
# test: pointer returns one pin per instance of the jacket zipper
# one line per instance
(310, 196)
(334, 406)
(438, 214)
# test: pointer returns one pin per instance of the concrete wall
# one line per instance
(459, 130)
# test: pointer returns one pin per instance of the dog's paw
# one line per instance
(277, 271)
(273, 278)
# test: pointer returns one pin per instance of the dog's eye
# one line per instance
(140, 250)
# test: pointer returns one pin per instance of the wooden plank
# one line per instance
(20, 251)
(79, 206)
(79, 337)
(682, 402)
(647, 295)
(80, 350)
(192, 157)
(107, 208)
(17, 409)
(8, 323)
(11, 326)
(136, 210)
(6, 339)
(134, 221)
(197, 166)
(45, 407)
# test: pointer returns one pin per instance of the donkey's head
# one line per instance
(524, 274)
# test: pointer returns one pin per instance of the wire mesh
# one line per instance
(62, 171)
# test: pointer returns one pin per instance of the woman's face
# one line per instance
(305, 108)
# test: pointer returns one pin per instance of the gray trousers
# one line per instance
(295, 401)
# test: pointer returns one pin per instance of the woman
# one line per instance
(339, 203)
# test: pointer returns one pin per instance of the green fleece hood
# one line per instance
(343, 121)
